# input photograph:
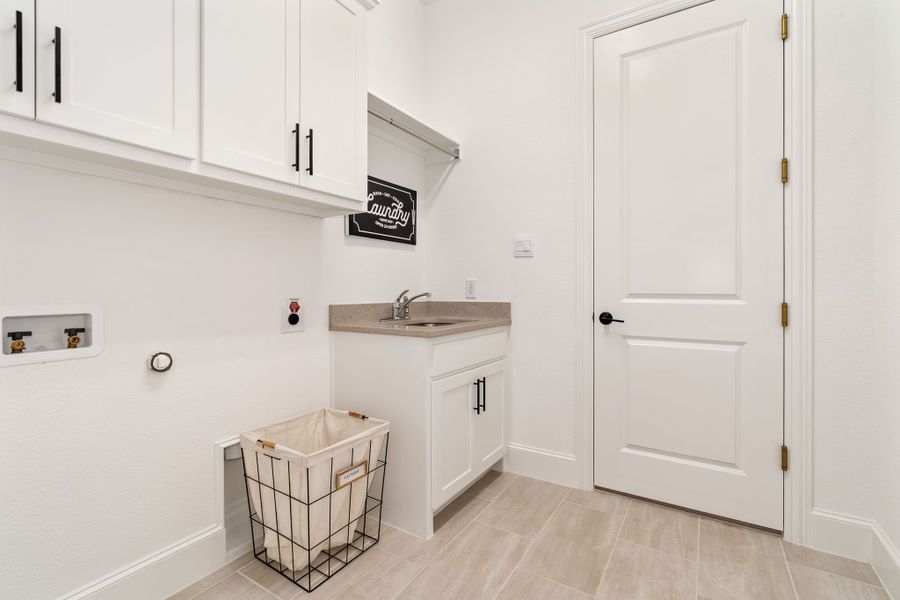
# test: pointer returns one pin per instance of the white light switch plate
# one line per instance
(293, 316)
(523, 246)
(471, 289)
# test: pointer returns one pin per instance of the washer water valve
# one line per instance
(73, 338)
(17, 346)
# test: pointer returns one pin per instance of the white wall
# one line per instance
(108, 463)
(886, 385)
(844, 411)
(364, 270)
(396, 40)
(359, 269)
(504, 83)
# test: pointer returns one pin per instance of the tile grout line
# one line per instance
(201, 590)
(878, 586)
(697, 578)
(787, 565)
(613, 549)
(531, 543)
(259, 585)
(453, 539)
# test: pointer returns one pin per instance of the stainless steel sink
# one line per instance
(431, 324)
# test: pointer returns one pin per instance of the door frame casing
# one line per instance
(797, 246)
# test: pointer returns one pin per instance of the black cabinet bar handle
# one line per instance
(477, 385)
(19, 82)
(309, 169)
(296, 133)
(484, 394)
(57, 42)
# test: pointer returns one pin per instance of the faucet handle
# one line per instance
(401, 297)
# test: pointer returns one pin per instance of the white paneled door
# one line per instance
(688, 242)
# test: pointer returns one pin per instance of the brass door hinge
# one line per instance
(784, 314)
(784, 27)
(784, 458)
(784, 170)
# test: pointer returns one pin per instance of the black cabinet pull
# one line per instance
(296, 133)
(477, 385)
(57, 76)
(483, 394)
(19, 82)
(309, 169)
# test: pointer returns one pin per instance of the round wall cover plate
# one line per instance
(161, 362)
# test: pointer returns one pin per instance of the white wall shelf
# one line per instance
(389, 118)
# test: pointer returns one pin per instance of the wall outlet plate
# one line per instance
(471, 289)
(523, 246)
(293, 316)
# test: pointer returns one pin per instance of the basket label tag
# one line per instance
(351, 474)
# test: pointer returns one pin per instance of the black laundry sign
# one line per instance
(390, 214)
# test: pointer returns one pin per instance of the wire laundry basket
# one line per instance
(315, 486)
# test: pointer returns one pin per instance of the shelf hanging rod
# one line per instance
(454, 152)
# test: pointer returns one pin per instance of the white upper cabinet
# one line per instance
(258, 101)
(251, 86)
(17, 55)
(333, 97)
(122, 69)
(284, 91)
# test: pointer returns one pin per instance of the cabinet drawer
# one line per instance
(462, 354)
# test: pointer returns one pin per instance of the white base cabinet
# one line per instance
(445, 398)
(466, 428)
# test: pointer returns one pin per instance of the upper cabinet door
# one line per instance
(121, 69)
(17, 57)
(333, 98)
(251, 86)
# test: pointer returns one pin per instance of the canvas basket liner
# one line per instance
(313, 447)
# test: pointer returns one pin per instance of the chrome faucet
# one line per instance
(400, 306)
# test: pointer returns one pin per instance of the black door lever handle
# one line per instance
(607, 318)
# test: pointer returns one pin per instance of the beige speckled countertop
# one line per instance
(464, 316)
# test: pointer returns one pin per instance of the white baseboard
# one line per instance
(885, 557)
(859, 539)
(548, 465)
(840, 534)
(163, 573)
(238, 551)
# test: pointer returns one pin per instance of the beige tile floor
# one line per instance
(514, 538)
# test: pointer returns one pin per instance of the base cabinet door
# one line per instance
(251, 86)
(17, 52)
(452, 406)
(333, 99)
(487, 421)
(126, 70)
